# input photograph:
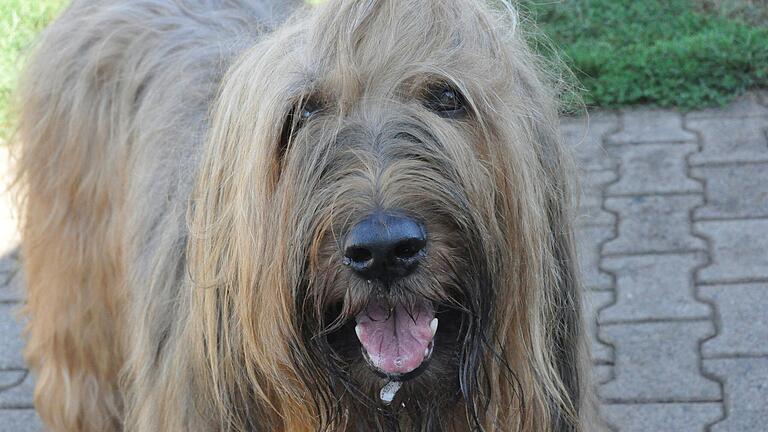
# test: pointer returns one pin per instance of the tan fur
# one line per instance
(162, 245)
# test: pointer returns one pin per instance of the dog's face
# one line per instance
(395, 194)
(383, 161)
(397, 281)
(385, 169)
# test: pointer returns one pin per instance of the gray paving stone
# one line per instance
(19, 396)
(734, 191)
(11, 287)
(746, 388)
(11, 378)
(743, 311)
(651, 125)
(653, 224)
(588, 242)
(652, 168)
(653, 287)
(11, 283)
(676, 417)
(12, 344)
(586, 139)
(9, 261)
(762, 96)
(20, 420)
(591, 212)
(593, 301)
(747, 105)
(731, 140)
(658, 362)
(739, 250)
(602, 373)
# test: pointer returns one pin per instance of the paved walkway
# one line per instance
(674, 249)
(674, 245)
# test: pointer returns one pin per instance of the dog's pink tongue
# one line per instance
(397, 342)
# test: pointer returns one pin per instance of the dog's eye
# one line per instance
(297, 117)
(444, 100)
(311, 107)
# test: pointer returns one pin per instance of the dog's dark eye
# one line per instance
(444, 100)
(310, 107)
(297, 118)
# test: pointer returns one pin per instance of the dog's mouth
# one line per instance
(396, 340)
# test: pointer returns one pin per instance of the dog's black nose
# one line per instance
(385, 246)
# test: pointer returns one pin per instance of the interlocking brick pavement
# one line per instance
(653, 224)
(749, 179)
(658, 362)
(681, 343)
(16, 412)
(19, 420)
(643, 280)
(743, 320)
(648, 125)
(673, 243)
(665, 417)
(594, 301)
(739, 250)
(745, 383)
(652, 168)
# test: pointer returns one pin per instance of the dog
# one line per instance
(261, 216)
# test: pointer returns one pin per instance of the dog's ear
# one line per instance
(535, 209)
(544, 270)
(238, 256)
(566, 329)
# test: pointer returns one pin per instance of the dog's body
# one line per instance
(195, 246)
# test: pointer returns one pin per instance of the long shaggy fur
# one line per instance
(182, 227)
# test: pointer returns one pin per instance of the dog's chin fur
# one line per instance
(188, 176)
(332, 299)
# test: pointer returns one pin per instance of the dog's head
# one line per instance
(383, 200)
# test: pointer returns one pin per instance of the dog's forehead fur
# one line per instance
(386, 48)
(363, 58)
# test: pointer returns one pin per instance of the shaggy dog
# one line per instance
(358, 220)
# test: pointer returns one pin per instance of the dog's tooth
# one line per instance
(389, 391)
(358, 330)
(433, 326)
(426, 352)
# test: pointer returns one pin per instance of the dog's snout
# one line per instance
(385, 246)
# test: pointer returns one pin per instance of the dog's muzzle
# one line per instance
(386, 246)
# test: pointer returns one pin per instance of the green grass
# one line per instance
(20, 21)
(681, 53)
